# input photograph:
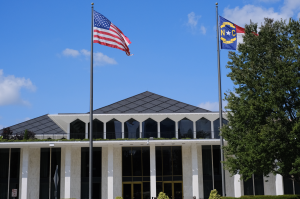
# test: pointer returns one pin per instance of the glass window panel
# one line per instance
(297, 188)
(146, 161)
(126, 161)
(84, 162)
(137, 161)
(259, 184)
(167, 160)
(113, 129)
(77, 129)
(146, 178)
(167, 178)
(127, 179)
(96, 190)
(288, 185)
(4, 157)
(177, 160)
(248, 187)
(44, 173)
(97, 159)
(167, 128)
(127, 191)
(158, 160)
(137, 179)
(177, 178)
(132, 128)
(168, 189)
(203, 128)
(217, 168)
(178, 190)
(97, 129)
(149, 128)
(207, 170)
(137, 191)
(14, 171)
(146, 190)
(185, 128)
(217, 127)
(55, 161)
(159, 188)
(158, 178)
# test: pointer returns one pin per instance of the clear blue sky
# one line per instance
(43, 46)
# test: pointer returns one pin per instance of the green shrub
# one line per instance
(214, 194)
(26, 137)
(162, 195)
(119, 197)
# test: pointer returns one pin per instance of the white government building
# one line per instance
(145, 144)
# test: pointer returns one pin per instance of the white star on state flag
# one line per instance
(228, 33)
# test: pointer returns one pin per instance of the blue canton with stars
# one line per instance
(100, 21)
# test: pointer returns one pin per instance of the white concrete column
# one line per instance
(212, 129)
(24, 182)
(158, 129)
(104, 130)
(141, 129)
(33, 183)
(69, 130)
(279, 184)
(110, 172)
(68, 162)
(195, 176)
(176, 129)
(187, 173)
(152, 171)
(194, 129)
(237, 186)
(117, 171)
(122, 130)
(86, 130)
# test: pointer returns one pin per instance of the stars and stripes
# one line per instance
(106, 33)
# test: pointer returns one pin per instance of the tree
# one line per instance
(264, 129)
(26, 137)
(6, 133)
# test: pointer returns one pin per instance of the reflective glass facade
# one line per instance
(9, 172)
(132, 129)
(217, 127)
(136, 172)
(77, 129)
(50, 159)
(97, 170)
(254, 185)
(98, 129)
(113, 129)
(167, 128)
(203, 128)
(290, 187)
(149, 128)
(185, 128)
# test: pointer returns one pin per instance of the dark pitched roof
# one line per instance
(39, 125)
(148, 102)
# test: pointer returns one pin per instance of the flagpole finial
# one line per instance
(92, 4)
(216, 3)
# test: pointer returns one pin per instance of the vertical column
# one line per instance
(152, 171)
(122, 130)
(68, 162)
(104, 130)
(86, 130)
(34, 172)
(158, 129)
(195, 183)
(237, 186)
(194, 131)
(25, 161)
(110, 172)
(141, 129)
(69, 130)
(176, 129)
(117, 171)
(212, 129)
(279, 185)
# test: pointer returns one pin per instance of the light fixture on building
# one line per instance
(51, 144)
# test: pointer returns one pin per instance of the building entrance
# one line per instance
(133, 190)
(173, 190)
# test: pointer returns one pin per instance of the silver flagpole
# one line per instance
(220, 105)
(91, 114)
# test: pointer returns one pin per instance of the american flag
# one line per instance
(106, 33)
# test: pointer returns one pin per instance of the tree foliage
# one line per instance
(264, 129)
(6, 133)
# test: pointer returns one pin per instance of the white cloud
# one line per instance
(70, 52)
(193, 22)
(26, 119)
(242, 16)
(213, 106)
(99, 58)
(10, 87)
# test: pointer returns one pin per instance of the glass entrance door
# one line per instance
(133, 190)
(173, 190)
